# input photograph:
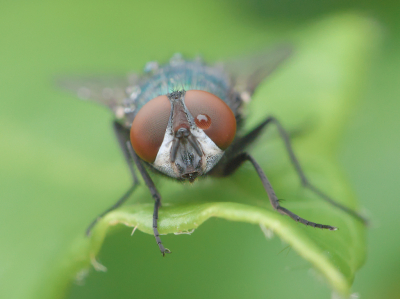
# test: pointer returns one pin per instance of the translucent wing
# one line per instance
(110, 91)
(249, 71)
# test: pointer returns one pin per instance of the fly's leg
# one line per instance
(241, 144)
(154, 193)
(304, 180)
(113, 207)
(243, 157)
(122, 135)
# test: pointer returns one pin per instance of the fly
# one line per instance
(182, 119)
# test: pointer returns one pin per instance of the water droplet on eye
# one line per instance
(203, 121)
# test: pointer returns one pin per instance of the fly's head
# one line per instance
(183, 134)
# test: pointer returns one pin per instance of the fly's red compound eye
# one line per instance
(148, 128)
(212, 115)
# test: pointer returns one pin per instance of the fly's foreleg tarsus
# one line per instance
(238, 160)
(155, 229)
(154, 192)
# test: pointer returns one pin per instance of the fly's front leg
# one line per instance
(243, 157)
(304, 180)
(244, 141)
(122, 135)
(154, 193)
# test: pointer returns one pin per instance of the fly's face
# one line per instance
(183, 134)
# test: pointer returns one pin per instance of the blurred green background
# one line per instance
(57, 152)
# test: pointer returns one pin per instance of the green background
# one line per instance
(58, 159)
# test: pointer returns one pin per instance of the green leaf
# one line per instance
(313, 95)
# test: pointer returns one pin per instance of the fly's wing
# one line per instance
(248, 72)
(110, 91)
